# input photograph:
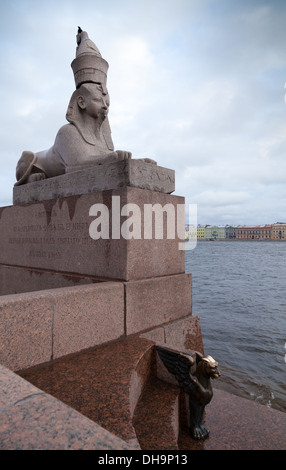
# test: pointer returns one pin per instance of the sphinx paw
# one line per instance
(149, 160)
(36, 177)
(123, 155)
(24, 167)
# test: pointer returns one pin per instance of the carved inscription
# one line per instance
(54, 235)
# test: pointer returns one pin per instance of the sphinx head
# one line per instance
(91, 99)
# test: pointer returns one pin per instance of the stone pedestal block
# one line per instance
(17, 280)
(55, 236)
(134, 173)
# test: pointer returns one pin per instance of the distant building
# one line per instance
(230, 232)
(278, 231)
(190, 232)
(195, 232)
(256, 232)
(201, 232)
(214, 232)
(239, 232)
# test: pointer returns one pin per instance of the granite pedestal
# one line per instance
(54, 235)
(120, 283)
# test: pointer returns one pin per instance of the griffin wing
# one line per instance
(179, 365)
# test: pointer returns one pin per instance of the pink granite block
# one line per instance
(157, 335)
(182, 334)
(155, 257)
(44, 423)
(152, 302)
(16, 280)
(185, 334)
(85, 316)
(140, 376)
(55, 235)
(156, 418)
(13, 388)
(100, 383)
(25, 329)
(33, 420)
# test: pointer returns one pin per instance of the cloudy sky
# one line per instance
(197, 85)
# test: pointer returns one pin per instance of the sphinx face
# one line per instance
(95, 101)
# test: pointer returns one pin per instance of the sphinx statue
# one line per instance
(86, 139)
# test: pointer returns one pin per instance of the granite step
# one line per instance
(156, 417)
(115, 385)
(103, 383)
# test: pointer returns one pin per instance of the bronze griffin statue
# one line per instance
(197, 384)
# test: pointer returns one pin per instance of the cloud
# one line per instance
(222, 198)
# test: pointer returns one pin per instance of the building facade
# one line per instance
(256, 232)
(278, 231)
(201, 232)
(214, 232)
(230, 232)
(195, 232)
(190, 232)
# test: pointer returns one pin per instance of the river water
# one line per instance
(239, 293)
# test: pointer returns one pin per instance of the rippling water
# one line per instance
(239, 293)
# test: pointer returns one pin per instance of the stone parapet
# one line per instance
(39, 326)
(36, 327)
(157, 301)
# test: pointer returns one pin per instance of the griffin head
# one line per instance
(211, 367)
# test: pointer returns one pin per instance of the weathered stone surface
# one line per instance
(54, 235)
(25, 329)
(32, 420)
(157, 301)
(38, 326)
(179, 334)
(133, 172)
(86, 316)
(17, 280)
(99, 383)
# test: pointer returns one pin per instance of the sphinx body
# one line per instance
(86, 139)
